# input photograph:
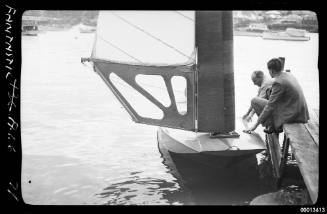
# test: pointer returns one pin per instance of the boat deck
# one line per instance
(180, 141)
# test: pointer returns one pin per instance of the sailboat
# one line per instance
(30, 26)
(290, 34)
(180, 63)
(85, 28)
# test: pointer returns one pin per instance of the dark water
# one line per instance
(81, 147)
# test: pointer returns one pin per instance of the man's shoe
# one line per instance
(213, 134)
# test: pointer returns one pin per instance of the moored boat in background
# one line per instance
(255, 29)
(30, 26)
(86, 29)
(290, 34)
(30, 30)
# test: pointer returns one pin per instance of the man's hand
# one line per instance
(244, 116)
(250, 130)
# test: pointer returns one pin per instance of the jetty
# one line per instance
(303, 139)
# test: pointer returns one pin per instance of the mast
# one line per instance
(215, 83)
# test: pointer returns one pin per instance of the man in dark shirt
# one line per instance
(264, 83)
(286, 103)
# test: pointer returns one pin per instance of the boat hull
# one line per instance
(87, 31)
(284, 36)
(203, 151)
(247, 33)
(188, 143)
(179, 162)
(30, 33)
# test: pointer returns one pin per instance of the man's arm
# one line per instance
(276, 94)
(277, 91)
(248, 112)
(262, 94)
(251, 113)
(264, 91)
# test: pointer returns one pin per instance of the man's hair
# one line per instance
(275, 64)
(257, 74)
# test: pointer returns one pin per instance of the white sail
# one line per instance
(153, 53)
(146, 37)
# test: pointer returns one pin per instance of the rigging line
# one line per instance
(147, 33)
(184, 15)
(118, 48)
(94, 45)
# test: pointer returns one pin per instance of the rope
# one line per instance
(147, 33)
(184, 16)
(118, 48)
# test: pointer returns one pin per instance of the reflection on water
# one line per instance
(81, 147)
(154, 191)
